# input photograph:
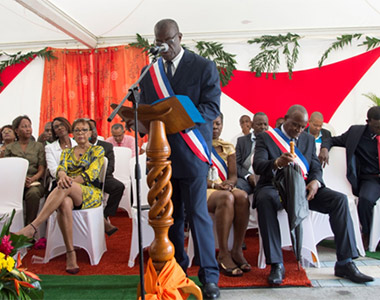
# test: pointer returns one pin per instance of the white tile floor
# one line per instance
(325, 284)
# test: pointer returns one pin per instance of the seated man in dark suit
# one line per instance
(269, 159)
(362, 143)
(112, 186)
(245, 150)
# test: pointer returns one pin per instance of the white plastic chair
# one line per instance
(88, 232)
(334, 176)
(374, 236)
(309, 251)
(147, 230)
(122, 172)
(12, 181)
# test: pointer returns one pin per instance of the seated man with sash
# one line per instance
(272, 154)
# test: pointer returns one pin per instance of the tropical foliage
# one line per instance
(16, 282)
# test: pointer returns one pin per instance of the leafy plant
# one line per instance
(342, 41)
(141, 43)
(268, 60)
(16, 282)
(224, 61)
(18, 58)
(375, 99)
(371, 42)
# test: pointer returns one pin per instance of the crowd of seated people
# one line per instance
(249, 170)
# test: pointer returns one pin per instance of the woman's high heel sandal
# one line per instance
(35, 231)
(73, 270)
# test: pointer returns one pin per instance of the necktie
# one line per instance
(378, 149)
(169, 73)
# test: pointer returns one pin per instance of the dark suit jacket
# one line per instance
(266, 152)
(197, 78)
(350, 140)
(108, 149)
(243, 150)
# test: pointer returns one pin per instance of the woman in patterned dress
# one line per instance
(78, 187)
(230, 206)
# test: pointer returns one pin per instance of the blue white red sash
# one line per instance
(193, 138)
(219, 164)
(282, 142)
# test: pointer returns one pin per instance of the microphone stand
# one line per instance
(134, 96)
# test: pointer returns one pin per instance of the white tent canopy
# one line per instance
(35, 24)
(94, 23)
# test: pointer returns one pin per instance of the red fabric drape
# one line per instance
(83, 83)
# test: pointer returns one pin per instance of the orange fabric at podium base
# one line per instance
(170, 284)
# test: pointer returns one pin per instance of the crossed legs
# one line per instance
(62, 200)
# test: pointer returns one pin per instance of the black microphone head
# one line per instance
(164, 47)
(158, 49)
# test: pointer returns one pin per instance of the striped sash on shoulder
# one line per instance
(193, 138)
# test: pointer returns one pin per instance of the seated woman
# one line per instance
(230, 206)
(61, 128)
(34, 152)
(8, 136)
(77, 188)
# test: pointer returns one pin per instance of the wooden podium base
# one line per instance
(161, 250)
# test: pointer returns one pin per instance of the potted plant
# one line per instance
(16, 282)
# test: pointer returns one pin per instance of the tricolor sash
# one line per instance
(282, 142)
(219, 164)
(193, 138)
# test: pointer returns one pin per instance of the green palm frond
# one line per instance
(343, 40)
(375, 99)
(268, 60)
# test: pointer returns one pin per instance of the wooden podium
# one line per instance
(168, 116)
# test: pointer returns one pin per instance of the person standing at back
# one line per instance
(196, 77)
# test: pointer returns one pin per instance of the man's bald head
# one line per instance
(295, 120)
(315, 123)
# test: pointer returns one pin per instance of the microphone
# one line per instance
(158, 49)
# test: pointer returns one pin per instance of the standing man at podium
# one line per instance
(196, 77)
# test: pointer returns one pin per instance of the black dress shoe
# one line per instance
(277, 274)
(350, 271)
(210, 290)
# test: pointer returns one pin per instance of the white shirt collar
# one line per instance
(284, 132)
(176, 60)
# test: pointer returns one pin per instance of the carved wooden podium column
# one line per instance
(165, 117)
(159, 196)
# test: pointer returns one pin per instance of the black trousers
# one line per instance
(368, 195)
(325, 201)
(189, 195)
(115, 189)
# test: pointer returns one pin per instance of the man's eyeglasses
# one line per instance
(168, 41)
(83, 130)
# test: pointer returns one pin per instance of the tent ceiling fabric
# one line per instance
(118, 21)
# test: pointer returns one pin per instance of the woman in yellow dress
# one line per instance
(230, 206)
(78, 187)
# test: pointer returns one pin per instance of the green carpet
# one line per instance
(375, 255)
(331, 244)
(92, 287)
